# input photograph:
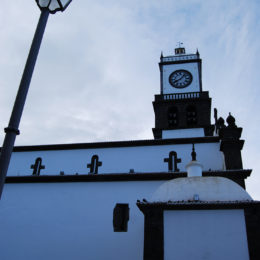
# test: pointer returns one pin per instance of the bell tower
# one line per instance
(182, 109)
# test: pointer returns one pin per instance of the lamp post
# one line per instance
(47, 7)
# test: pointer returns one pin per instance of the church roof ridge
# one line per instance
(110, 144)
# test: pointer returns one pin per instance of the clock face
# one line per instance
(180, 78)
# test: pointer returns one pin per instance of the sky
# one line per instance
(97, 70)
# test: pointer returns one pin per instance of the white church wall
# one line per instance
(205, 234)
(183, 133)
(71, 220)
(191, 67)
(115, 160)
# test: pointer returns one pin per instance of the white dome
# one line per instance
(202, 188)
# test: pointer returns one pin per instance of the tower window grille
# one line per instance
(191, 115)
(173, 117)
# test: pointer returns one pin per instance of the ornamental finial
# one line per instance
(231, 121)
(161, 55)
(193, 153)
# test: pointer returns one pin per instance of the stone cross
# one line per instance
(93, 166)
(172, 161)
(37, 166)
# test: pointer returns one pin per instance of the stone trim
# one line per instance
(154, 234)
(155, 176)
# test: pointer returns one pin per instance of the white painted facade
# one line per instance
(71, 220)
(116, 159)
(169, 68)
(183, 133)
(205, 234)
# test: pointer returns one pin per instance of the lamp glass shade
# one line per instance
(43, 3)
(53, 5)
(65, 3)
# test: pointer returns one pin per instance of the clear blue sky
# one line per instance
(97, 70)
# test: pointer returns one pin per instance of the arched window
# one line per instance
(191, 115)
(173, 117)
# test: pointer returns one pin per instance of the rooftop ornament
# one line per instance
(194, 168)
(231, 121)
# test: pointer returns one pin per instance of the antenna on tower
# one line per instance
(179, 44)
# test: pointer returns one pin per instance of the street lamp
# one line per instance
(53, 5)
(47, 7)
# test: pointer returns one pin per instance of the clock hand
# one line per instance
(179, 78)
